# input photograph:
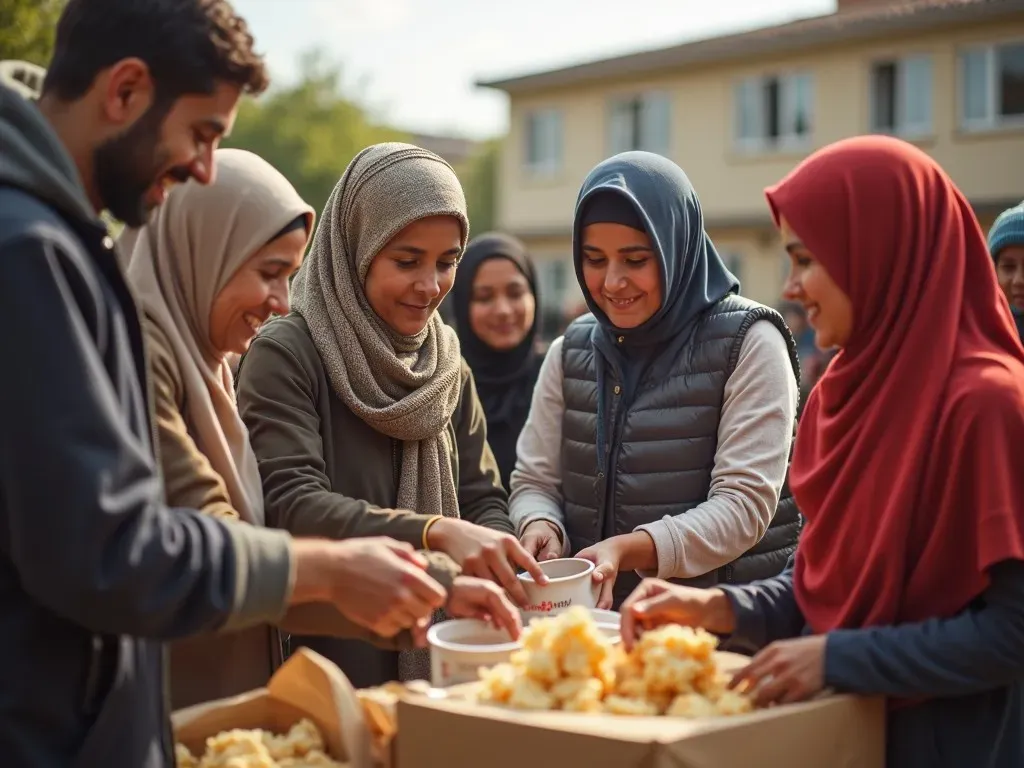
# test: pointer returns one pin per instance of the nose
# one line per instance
(280, 301)
(615, 278)
(203, 169)
(502, 306)
(430, 285)
(792, 290)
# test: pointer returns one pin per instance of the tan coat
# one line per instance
(215, 665)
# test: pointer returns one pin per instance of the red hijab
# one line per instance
(907, 461)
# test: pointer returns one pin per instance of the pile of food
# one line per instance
(301, 747)
(567, 664)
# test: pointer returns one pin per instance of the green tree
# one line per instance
(27, 29)
(480, 183)
(309, 131)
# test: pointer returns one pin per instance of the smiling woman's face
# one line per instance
(414, 272)
(258, 290)
(829, 310)
(621, 273)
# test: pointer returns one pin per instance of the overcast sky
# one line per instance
(414, 62)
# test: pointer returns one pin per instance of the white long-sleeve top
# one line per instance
(754, 436)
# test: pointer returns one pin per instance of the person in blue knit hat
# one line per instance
(1006, 244)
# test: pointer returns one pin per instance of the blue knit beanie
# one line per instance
(1008, 229)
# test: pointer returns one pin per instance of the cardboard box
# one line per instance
(829, 732)
(307, 685)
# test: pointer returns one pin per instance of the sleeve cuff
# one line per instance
(265, 575)
(562, 534)
(749, 627)
(661, 533)
(840, 650)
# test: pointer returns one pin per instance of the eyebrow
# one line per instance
(413, 250)
(278, 261)
(625, 249)
(794, 245)
(214, 125)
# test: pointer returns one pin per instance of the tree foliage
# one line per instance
(480, 184)
(309, 131)
(27, 29)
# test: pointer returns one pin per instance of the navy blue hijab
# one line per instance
(693, 276)
(658, 196)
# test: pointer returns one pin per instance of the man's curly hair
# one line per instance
(189, 46)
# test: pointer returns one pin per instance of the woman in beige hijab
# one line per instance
(209, 269)
(362, 413)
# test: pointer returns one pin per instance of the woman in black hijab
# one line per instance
(494, 302)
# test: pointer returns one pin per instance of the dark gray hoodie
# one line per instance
(95, 571)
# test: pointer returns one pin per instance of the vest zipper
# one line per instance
(611, 464)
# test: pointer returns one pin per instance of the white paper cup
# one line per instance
(602, 617)
(459, 647)
(570, 583)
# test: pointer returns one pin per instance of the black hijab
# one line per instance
(504, 378)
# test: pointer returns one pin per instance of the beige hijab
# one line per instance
(178, 264)
(406, 387)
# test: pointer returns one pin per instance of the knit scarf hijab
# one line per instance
(406, 387)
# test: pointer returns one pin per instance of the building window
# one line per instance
(774, 112)
(544, 141)
(640, 122)
(901, 96)
(992, 86)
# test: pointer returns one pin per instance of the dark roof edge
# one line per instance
(748, 44)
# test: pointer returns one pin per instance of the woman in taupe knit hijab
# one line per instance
(363, 416)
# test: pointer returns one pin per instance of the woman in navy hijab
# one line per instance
(660, 427)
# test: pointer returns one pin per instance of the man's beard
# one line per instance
(126, 166)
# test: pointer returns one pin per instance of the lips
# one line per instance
(253, 322)
(417, 308)
(624, 303)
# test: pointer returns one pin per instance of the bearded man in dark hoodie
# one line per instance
(95, 571)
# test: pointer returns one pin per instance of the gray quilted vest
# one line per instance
(662, 446)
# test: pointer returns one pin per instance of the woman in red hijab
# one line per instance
(909, 578)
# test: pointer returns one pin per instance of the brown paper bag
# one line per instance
(307, 685)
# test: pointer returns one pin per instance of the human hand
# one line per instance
(378, 583)
(486, 554)
(474, 598)
(785, 671)
(542, 540)
(655, 602)
(607, 556)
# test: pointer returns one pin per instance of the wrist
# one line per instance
(426, 542)
(720, 617)
(436, 533)
(636, 552)
(312, 563)
(548, 524)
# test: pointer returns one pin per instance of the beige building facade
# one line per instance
(739, 112)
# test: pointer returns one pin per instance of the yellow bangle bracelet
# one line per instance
(426, 530)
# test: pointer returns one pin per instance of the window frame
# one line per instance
(901, 126)
(544, 167)
(786, 101)
(993, 120)
(638, 103)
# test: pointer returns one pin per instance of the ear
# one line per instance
(126, 91)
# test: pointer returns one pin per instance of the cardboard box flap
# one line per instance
(840, 732)
(307, 685)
